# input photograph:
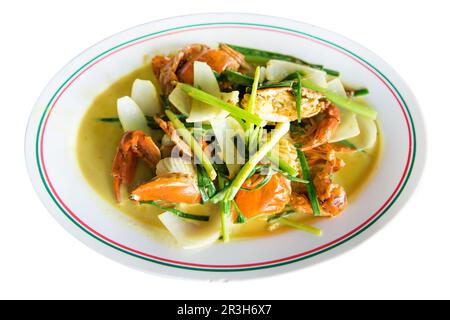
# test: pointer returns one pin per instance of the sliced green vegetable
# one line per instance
(225, 213)
(277, 216)
(230, 192)
(205, 185)
(298, 98)
(238, 78)
(195, 146)
(109, 119)
(268, 55)
(276, 85)
(361, 92)
(252, 98)
(204, 78)
(177, 212)
(343, 102)
(240, 216)
(207, 98)
(282, 164)
(251, 104)
(312, 195)
(331, 72)
(228, 152)
(150, 121)
(266, 179)
(347, 144)
(301, 226)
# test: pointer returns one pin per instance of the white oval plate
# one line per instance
(54, 171)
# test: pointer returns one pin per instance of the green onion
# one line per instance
(350, 145)
(205, 185)
(256, 60)
(282, 164)
(252, 98)
(262, 183)
(343, 102)
(298, 98)
(230, 192)
(151, 121)
(332, 73)
(261, 57)
(212, 100)
(225, 212)
(109, 119)
(264, 56)
(361, 92)
(277, 216)
(347, 144)
(281, 84)
(301, 226)
(238, 78)
(310, 186)
(251, 102)
(177, 212)
(195, 146)
(240, 216)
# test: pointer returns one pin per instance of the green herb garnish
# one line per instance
(310, 186)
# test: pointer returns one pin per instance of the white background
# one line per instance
(409, 258)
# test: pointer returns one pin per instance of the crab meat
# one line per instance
(278, 104)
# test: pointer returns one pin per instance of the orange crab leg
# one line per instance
(171, 132)
(133, 145)
(169, 187)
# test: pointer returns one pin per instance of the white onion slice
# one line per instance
(145, 95)
(131, 116)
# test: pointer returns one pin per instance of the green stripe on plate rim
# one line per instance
(222, 269)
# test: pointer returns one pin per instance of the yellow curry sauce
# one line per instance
(97, 144)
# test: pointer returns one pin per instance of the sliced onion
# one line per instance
(193, 234)
(181, 100)
(145, 95)
(277, 70)
(368, 136)
(224, 132)
(131, 116)
(348, 127)
(205, 80)
(175, 165)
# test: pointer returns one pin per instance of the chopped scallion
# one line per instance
(312, 195)
(195, 146)
(240, 216)
(300, 226)
(214, 101)
(298, 98)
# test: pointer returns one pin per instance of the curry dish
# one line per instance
(214, 144)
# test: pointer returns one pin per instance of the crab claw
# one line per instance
(133, 145)
(269, 199)
(169, 187)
